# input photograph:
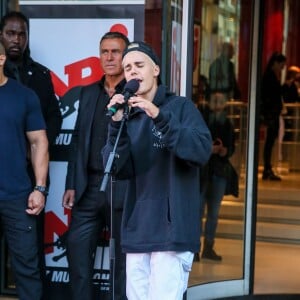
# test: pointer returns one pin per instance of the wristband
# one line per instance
(41, 189)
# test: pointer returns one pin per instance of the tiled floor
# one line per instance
(277, 268)
(230, 267)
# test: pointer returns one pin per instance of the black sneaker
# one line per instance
(211, 254)
(270, 175)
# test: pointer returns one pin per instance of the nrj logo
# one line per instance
(68, 94)
(82, 72)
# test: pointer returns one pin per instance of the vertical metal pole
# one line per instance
(187, 41)
(253, 144)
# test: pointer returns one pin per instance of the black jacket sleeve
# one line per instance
(51, 111)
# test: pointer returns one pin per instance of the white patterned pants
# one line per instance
(157, 275)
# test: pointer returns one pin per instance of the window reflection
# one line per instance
(217, 71)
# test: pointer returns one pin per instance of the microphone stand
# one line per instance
(108, 174)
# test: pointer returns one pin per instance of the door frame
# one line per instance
(243, 286)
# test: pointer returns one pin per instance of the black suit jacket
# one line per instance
(77, 174)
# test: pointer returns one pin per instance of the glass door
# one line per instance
(222, 84)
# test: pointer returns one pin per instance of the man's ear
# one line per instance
(156, 70)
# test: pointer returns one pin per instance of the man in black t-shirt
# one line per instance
(14, 34)
(22, 123)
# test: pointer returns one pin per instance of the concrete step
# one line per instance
(275, 232)
(278, 194)
(276, 220)
(275, 213)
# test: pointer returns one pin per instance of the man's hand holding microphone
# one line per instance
(118, 102)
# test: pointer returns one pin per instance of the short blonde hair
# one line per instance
(292, 72)
(294, 68)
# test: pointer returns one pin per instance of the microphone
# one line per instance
(129, 89)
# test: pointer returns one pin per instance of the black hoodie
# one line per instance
(161, 158)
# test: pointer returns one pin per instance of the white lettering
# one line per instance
(101, 276)
(60, 276)
(63, 139)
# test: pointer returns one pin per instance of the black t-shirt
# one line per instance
(20, 112)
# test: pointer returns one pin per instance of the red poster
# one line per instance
(65, 38)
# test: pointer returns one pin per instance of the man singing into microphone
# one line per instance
(163, 143)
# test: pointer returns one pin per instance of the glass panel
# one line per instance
(172, 46)
(278, 204)
(222, 39)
